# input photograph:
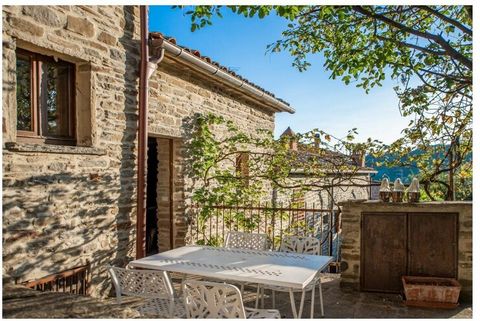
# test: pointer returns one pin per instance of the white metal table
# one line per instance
(291, 270)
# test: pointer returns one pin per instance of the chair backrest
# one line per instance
(211, 300)
(241, 240)
(301, 244)
(141, 283)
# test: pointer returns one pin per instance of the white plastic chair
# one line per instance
(154, 286)
(303, 245)
(242, 240)
(212, 300)
(250, 241)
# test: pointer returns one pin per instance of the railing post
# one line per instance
(330, 232)
(274, 211)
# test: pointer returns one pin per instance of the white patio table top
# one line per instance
(290, 270)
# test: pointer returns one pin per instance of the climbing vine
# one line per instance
(228, 166)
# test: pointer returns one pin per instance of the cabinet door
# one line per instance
(432, 244)
(384, 251)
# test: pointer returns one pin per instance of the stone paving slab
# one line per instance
(19, 302)
(347, 303)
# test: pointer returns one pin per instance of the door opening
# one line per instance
(152, 209)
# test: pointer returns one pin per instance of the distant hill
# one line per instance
(404, 173)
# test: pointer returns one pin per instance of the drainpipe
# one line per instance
(154, 61)
(148, 65)
(142, 135)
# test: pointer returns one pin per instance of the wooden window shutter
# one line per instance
(242, 165)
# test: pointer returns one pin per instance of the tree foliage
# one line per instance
(212, 153)
(427, 49)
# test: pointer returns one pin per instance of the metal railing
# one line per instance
(76, 281)
(209, 225)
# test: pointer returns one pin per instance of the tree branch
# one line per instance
(410, 45)
(436, 38)
(447, 19)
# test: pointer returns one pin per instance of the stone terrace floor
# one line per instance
(344, 303)
(339, 303)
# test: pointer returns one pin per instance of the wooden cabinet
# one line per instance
(432, 244)
(396, 244)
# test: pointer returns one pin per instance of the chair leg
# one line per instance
(273, 299)
(184, 277)
(312, 303)
(321, 296)
(258, 296)
(292, 302)
(263, 298)
(302, 301)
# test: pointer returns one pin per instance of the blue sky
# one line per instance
(320, 102)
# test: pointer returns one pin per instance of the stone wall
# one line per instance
(322, 198)
(65, 205)
(351, 235)
(177, 93)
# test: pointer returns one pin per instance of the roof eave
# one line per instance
(221, 74)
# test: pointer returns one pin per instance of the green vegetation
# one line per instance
(217, 148)
(428, 49)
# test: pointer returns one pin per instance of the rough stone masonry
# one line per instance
(66, 205)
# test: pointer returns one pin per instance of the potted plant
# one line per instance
(427, 291)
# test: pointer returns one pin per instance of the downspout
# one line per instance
(147, 68)
(142, 135)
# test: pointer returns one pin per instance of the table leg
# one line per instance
(292, 302)
(321, 296)
(302, 300)
(312, 303)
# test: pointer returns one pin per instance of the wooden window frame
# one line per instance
(39, 109)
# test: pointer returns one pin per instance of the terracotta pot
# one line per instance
(385, 196)
(431, 289)
(397, 197)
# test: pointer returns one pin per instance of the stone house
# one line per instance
(357, 182)
(70, 145)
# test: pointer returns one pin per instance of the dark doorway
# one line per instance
(152, 208)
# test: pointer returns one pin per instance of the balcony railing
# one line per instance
(209, 225)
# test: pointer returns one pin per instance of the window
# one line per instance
(242, 166)
(45, 99)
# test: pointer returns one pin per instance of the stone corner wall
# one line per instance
(64, 205)
(351, 236)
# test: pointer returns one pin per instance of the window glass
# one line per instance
(24, 92)
(57, 98)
